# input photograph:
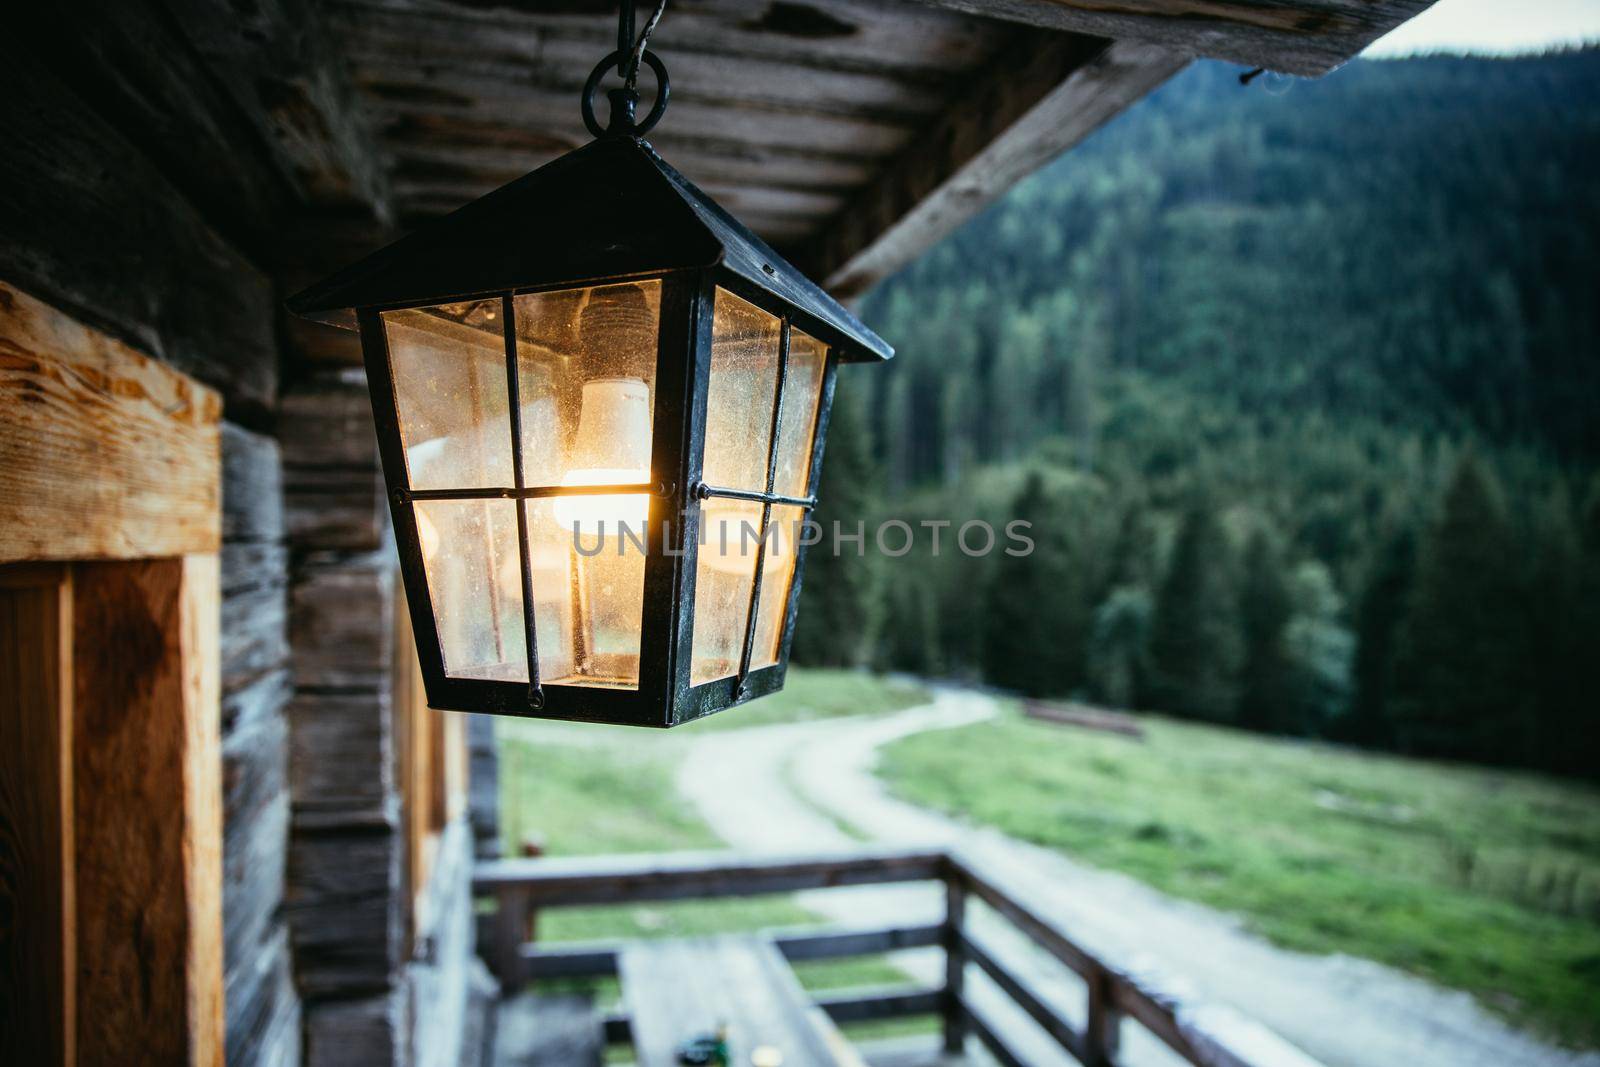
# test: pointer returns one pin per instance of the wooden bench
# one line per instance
(677, 990)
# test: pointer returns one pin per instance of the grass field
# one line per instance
(1481, 880)
(588, 790)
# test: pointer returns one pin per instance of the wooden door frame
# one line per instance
(110, 468)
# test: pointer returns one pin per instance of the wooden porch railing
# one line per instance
(1208, 1038)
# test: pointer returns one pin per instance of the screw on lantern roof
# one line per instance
(601, 403)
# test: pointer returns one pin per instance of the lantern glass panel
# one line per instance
(587, 599)
(586, 362)
(739, 395)
(739, 398)
(449, 368)
(777, 574)
(802, 389)
(469, 550)
(724, 573)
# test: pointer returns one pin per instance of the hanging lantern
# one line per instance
(600, 404)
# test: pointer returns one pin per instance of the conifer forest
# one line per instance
(1298, 384)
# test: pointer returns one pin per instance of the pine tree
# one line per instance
(1581, 728)
(1195, 639)
(1264, 611)
(1385, 601)
(1562, 649)
(1456, 657)
(1119, 648)
(1037, 605)
(840, 604)
(1319, 649)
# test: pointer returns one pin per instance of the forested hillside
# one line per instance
(1300, 386)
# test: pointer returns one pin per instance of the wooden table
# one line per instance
(676, 990)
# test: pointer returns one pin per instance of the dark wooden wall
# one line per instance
(134, 194)
(92, 225)
(174, 168)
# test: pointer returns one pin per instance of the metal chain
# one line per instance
(632, 79)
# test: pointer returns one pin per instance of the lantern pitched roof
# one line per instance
(611, 208)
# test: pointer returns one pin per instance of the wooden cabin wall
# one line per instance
(141, 193)
(378, 991)
(92, 226)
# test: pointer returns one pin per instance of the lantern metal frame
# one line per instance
(610, 212)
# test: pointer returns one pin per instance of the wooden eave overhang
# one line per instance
(850, 134)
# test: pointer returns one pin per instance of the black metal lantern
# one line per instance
(600, 404)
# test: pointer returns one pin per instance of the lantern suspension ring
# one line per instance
(630, 53)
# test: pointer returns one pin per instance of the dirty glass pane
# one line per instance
(802, 389)
(469, 551)
(744, 375)
(777, 574)
(449, 369)
(586, 362)
(724, 571)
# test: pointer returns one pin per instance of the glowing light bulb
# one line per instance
(612, 448)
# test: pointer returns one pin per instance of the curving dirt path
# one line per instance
(800, 786)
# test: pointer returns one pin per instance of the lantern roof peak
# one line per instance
(609, 210)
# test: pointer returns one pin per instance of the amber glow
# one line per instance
(428, 534)
(612, 448)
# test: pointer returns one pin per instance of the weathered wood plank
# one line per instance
(1294, 37)
(441, 72)
(142, 75)
(333, 488)
(1200, 1033)
(888, 1002)
(263, 1007)
(678, 989)
(149, 812)
(339, 623)
(830, 944)
(38, 945)
(678, 876)
(483, 786)
(95, 228)
(446, 181)
(1018, 989)
(255, 613)
(336, 507)
(340, 756)
(554, 112)
(262, 698)
(827, 35)
(371, 1030)
(342, 904)
(1030, 106)
(490, 149)
(104, 452)
(991, 1035)
(283, 70)
(953, 939)
(256, 818)
(599, 958)
(252, 488)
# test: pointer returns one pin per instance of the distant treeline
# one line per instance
(1302, 394)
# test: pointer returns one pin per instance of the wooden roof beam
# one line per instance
(285, 70)
(1037, 100)
(1307, 37)
(251, 116)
